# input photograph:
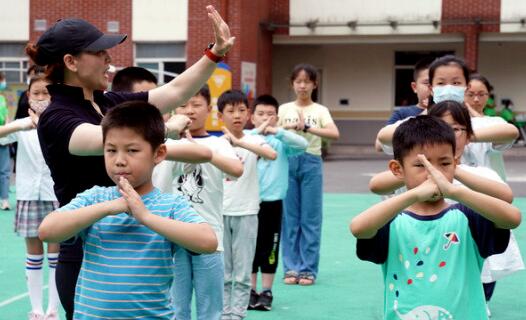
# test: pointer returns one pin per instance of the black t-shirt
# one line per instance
(74, 174)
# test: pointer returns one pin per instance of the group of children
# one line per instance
(447, 226)
(208, 223)
(213, 219)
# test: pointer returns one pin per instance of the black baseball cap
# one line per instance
(73, 36)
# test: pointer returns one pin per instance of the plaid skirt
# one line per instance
(29, 215)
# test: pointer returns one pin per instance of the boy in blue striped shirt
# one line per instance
(130, 229)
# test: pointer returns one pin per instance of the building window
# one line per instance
(165, 60)
(404, 64)
(13, 62)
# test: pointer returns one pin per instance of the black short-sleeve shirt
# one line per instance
(73, 174)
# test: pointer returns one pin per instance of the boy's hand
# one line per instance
(119, 205)
(445, 187)
(177, 125)
(230, 137)
(261, 129)
(133, 200)
(271, 130)
(189, 137)
(428, 191)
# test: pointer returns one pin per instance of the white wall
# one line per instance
(503, 65)
(512, 10)
(14, 20)
(159, 20)
(342, 11)
(362, 73)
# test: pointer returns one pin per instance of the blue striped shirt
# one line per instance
(127, 268)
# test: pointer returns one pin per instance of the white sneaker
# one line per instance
(51, 315)
(35, 316)
(5, 205)
(488, 311)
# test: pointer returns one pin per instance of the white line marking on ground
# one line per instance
(517, 178)
(16, 298)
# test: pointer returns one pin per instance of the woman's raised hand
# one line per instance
(223, 40)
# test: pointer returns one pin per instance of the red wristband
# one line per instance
(212, 56)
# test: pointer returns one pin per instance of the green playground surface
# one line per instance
(346, 288)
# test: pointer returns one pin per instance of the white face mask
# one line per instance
(448, 92)
(38, 105)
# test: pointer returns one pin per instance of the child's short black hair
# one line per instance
(420, 131)
(231, 97)
(139, 116)
(421, 65)
(458, 112)
(205, 93)
(265, 99)
(445, 61)
(124, 79)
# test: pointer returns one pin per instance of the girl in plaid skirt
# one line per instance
(35, 199)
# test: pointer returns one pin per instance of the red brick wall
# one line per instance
(280, 13)
(253, 43)
(97, 12)
(461, 16)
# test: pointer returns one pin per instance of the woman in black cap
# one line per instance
(77, 63)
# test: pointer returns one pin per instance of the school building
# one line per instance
(364, 50)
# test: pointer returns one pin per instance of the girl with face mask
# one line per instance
(449, 76)
(35, 198)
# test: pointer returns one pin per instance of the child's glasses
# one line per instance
(479, 95)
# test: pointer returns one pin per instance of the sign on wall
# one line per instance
(248, 79)
(219, 82)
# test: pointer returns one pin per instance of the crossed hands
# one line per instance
(230, 137)
(436, 186)
(299, 125)
(265, 128)
(130, 201)
(177, 126)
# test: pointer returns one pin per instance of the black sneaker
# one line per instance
(254, 297)
(265, 301)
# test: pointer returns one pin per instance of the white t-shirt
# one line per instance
(201, 184)
(33, 178)
(485, 154)
(241, 197)
(510, 261)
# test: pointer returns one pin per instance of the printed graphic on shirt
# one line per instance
(191, 183)
(452, 238)
(424, 312)
(421, 269)
(309, 120)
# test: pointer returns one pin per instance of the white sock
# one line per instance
(35, 279)
(52, 259)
